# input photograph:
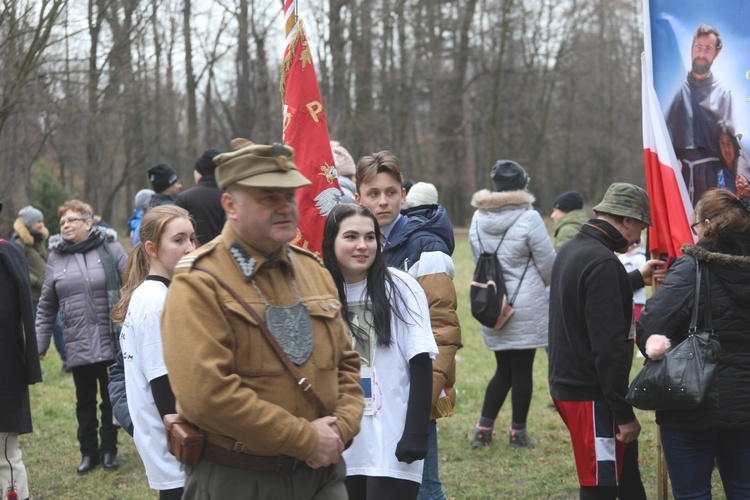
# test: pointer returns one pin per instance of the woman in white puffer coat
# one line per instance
(526, 256)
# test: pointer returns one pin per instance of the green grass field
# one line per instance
(547, 471)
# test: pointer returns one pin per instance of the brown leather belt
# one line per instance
(281, 464)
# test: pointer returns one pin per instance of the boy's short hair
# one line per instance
(381, 162)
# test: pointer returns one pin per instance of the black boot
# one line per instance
(87, 464)
(109, 460)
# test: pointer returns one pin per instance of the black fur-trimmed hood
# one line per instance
(731, 249)
(729, 260)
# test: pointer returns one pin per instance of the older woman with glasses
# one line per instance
(82, 282)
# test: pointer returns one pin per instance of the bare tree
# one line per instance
(25, 34)
(450, 86)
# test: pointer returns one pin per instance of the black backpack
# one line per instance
(488, 293)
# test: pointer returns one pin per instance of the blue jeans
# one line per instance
(431, 488)
(57, 333)
(690, 459)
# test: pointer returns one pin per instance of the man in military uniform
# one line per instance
(265, 439)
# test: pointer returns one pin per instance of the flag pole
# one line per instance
(662, 476)
(292, 14)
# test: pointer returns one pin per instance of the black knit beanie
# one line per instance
(204, 164)
(161, 176)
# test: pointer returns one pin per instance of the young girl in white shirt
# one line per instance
(166, 235)
(389, 324)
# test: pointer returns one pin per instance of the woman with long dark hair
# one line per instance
(693, 439)
(388, 318)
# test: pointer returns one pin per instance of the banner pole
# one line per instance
(662, 476)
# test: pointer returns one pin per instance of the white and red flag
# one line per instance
(306, 130)
(671, 210)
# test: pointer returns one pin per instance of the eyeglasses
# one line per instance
(71, 220)
(703, 48)
(693, 226)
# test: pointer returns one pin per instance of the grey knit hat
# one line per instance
(30, 215)
(142, 197)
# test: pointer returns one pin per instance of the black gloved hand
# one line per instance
(413, 443)
(411, 447)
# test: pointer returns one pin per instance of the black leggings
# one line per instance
(173, 494)
(514, 370)
(375, 488)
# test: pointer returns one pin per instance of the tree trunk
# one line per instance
(190, 83)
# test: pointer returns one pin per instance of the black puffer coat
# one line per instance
(668, 313)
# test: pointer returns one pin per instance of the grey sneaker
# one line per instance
(482, 437)
(520, 439)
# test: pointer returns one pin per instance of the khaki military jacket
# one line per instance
(225, 376)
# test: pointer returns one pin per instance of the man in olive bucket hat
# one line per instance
(264, 435)
(591, 346)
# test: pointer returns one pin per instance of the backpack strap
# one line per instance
(481, 248)
(515, 294)
(479, 239)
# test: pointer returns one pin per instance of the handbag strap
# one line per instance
(696, 301)
(306, 386)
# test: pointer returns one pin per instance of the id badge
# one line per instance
(366, 376)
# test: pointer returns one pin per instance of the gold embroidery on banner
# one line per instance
(297, 237)
(329, 172)
(315, 108)
(305, 244)
(305, 57)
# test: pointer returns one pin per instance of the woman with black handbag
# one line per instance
(692, 439)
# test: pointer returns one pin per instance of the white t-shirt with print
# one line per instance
(140, 340)
(373, 451)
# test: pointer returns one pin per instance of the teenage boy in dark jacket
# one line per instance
(418, 240)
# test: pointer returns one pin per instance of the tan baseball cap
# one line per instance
(259, 166)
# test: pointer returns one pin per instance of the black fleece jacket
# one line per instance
(204, 204)
(591, 305)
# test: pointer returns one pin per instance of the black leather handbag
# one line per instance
(686, 377)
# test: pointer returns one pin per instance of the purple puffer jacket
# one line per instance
(75, 284)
